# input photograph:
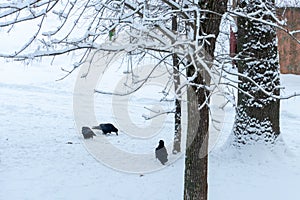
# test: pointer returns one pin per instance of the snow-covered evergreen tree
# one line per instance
(257, 117)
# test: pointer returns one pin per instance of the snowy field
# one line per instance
(37, 160)
(42, 155)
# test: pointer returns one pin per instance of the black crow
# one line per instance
(161, 152)
(107, 128)
(87, 132)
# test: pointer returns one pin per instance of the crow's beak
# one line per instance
(96, 127)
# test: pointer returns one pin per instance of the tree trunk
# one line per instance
(176, 76)
(257, 117)
(196, 158)
(197, 144)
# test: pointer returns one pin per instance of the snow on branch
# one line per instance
(24, 11)
(269, 94)
(156, 113)
(123, 26)
(275, 22)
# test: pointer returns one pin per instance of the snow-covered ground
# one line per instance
(260, 172)
(36, 161)
(42, 155)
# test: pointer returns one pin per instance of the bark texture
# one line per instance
(176, 77)
(196, 161)
(257, 117)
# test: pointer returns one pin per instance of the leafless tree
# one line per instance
(180, 35)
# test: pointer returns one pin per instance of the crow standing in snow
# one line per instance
(87, 132)
(161, 152)
(106, 128)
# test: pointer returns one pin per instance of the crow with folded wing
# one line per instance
(161, 152)
(87, 132)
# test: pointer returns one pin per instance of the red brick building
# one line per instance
(289, 48)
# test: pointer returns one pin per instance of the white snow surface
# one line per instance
(37, 122)
(36, 162)
(259, 171)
